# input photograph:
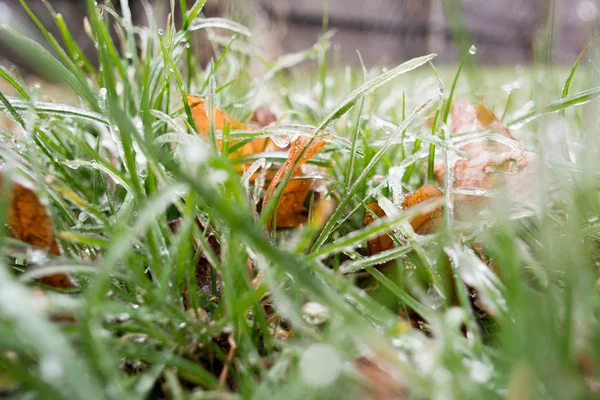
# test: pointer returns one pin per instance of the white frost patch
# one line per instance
(315, 313)
(479, 371)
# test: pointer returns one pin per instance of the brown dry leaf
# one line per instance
(493, 164)
(200, 116)
(378, 383)
(290, 210)
(427, 222)
(263, 117)
(29, 222)
(382, 242)
(422, 224)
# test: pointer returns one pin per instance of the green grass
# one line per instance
(139, 326)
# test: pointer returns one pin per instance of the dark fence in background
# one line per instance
(386, 31)
(503, 31)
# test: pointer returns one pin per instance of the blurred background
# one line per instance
(384, 31)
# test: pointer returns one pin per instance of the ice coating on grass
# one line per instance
(477, 275)
(260, 163)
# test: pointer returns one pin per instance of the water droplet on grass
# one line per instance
(320, 365)
(473, 49)
(51, 368)
(587, 11)
(282, 140)
(102, 99)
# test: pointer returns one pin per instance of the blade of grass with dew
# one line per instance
(361, 179)
(574, 100)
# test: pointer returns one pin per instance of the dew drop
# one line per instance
(320, 365)
(51, 368)
(161, 32)
(435, 298)
(143, 173)
(587, 11)
(472, 49)
(281, 141)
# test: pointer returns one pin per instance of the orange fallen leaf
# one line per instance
(492, 163)
(427, 222)
(29, 222)
(382, 242)
(422, 224)
(290, 210)
(197, 105)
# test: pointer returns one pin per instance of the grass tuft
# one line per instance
(182, 293)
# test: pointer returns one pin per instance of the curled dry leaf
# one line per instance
(290, 209)
(493, 163)
(382, 242)
(427, 222)
(29, 222)
(422, 224)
